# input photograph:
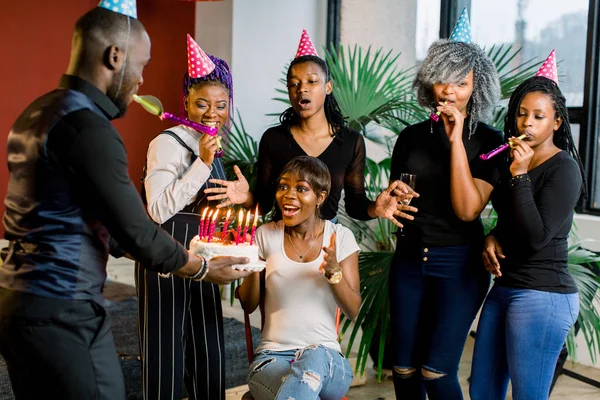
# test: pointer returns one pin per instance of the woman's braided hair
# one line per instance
(333, 113)
(563, 138)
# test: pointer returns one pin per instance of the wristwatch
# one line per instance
(334, 277)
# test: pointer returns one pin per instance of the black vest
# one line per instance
(55, 250)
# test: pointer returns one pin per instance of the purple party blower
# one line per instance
(154, 106)
(498, 149)
(184, 121)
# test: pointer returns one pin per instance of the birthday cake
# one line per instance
(217, 248)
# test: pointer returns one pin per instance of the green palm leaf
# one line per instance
(584, 266)
(367, 85)
(374, 312)
(240, 149)
(511, 74)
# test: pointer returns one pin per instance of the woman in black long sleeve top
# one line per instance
(437, 281)
(314, 126)
(534, 301)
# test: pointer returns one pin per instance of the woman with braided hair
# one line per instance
(314, 126)
(180, 320)
(437, 280)
(534, 300)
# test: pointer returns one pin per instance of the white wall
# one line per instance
(213, 31)
(390, 24)
(265, 38)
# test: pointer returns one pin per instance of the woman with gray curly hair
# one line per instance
(437, 280)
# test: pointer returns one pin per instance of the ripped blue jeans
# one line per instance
(315, 372)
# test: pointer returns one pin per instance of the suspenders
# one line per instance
(181, 142)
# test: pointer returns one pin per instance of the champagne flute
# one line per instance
(410, 180)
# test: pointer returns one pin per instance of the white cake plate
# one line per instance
(253, 266)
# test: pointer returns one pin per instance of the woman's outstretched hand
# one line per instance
(330, 263)
(389, 202)
(230, 192)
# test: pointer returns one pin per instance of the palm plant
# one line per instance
(241, 150)
(584, 266)
(368, 87)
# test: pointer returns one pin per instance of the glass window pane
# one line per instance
(595, 195)
(428, 26)
(575, 133)
(403, 26)
(538, 26)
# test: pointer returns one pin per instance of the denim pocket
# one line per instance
(573, 302)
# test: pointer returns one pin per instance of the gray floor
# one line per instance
(566, 388)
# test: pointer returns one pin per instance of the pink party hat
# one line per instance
(548, 68)
(125, 7)
(199, 64)
(306, 48)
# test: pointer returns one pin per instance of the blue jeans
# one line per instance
(315, 372)
(520, 335)
(435, 293)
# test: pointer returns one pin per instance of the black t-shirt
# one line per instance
(345, 157)
(424, 149)
(534, 220)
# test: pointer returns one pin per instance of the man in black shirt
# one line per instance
(69, 202)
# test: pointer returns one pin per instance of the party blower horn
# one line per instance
(498, 149)
(155, 107)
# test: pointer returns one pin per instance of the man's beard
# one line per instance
(118, 92)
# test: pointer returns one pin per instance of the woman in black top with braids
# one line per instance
(314, 126)
(534, 301)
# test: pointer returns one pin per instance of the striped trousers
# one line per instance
(180, 326)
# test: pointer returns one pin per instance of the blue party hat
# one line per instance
(126, 7)
(462, 29)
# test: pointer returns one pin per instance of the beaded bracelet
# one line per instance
(517, 179)
(202, 270)
(205, 272)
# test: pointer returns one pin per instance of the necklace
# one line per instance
(307, 251)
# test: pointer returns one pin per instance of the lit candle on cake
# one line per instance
(254, 226)
(213, 224)
(225, 224)
(202, 221)
(246, 226)
(206, 224)
(239, 227)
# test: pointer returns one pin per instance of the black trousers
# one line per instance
(181, 329)
(58, 349)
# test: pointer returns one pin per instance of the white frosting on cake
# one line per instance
(219, 248)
